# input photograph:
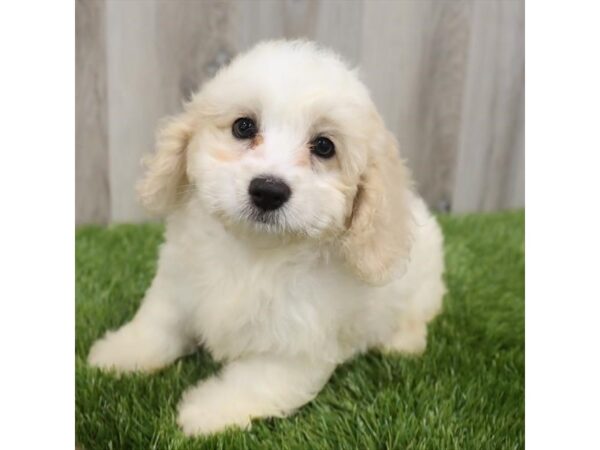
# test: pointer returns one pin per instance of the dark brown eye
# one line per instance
(322, 147)
(244, 128)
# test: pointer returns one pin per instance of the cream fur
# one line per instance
(352, 261)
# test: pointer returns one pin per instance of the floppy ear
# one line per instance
(378, 239)
(165, 182)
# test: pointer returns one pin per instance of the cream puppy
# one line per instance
(294, 239)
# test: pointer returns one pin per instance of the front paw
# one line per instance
(199, 414)
(107, 354)
(124, 351)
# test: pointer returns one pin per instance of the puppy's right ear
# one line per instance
(165, 182)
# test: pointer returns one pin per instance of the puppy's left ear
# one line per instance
(377, 241)
(165, 182)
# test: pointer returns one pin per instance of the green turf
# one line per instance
(465, 392)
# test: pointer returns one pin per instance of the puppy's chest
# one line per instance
(246, 304)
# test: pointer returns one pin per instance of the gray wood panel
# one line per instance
(448, 77)
(92, 197)
(134, 96)
(334, 23)
(490, 164)
(414, 55)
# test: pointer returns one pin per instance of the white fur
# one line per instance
(353, 261)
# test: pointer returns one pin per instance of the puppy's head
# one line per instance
(286, 141)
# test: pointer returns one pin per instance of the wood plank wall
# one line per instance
(447, 75)
(92, 196)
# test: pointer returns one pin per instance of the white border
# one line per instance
(37, 224)
(563, 224)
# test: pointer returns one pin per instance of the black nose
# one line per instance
(268, 193)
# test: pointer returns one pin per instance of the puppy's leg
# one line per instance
(153, 339)
(252, 387)
(410, 337)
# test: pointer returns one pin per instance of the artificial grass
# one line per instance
(465, 392)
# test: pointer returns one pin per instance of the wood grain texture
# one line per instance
(423, 45)
(134, 96)
(158, 53)
(447, 76)
(92, 196)
(334, 23)
(490, 164)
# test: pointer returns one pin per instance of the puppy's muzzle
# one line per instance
(268, 193)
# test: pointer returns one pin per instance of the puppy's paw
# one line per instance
(125, 351)
(204, 411)
(105, 354)
(411, 340)
(197, 418)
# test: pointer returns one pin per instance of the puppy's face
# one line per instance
(280, 141)
(286, 141)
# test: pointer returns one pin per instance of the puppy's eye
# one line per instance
(322, 147)
(244, 128)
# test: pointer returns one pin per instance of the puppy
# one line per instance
(293, 241)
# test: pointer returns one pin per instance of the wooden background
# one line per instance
(448, 77)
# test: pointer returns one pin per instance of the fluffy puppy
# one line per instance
(294, 239)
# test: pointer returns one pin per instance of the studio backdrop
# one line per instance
(448, 77)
